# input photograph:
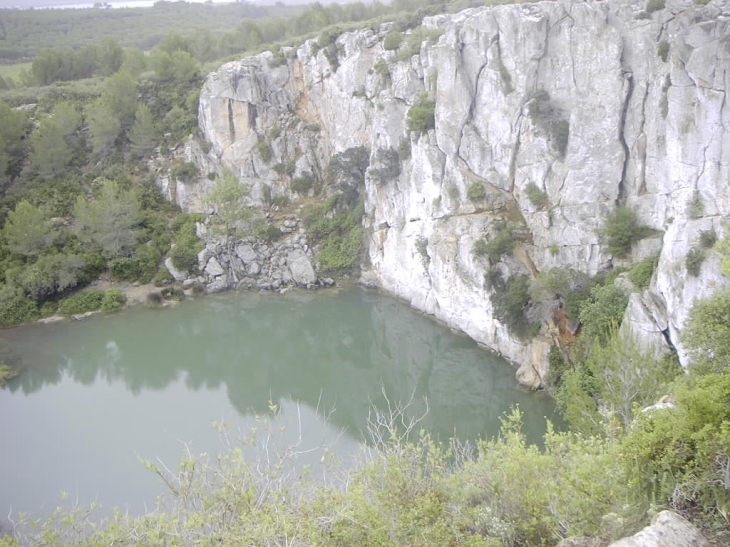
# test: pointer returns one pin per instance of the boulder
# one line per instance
(667, 529)
(178, 275)
(214, 268)
(302, 271)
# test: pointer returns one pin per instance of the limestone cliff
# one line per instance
(595, 104)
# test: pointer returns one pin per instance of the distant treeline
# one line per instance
(24, 33)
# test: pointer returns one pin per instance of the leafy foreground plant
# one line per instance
(498, 492)
(406, 489)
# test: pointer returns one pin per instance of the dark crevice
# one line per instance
(231, 122)
(622, 138)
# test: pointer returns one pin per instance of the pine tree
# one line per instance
(143, 133)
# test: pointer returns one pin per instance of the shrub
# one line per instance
(274, 132)
(706, 334)
(173, 293)
(113, 300)
(708, 238)
(695, 206)
(421, 116)
(693, 261)
(48, 309)
(264, 150)
(381, 68)
(537, 197)
(654, 5)
(422, 250)
(82, 302)
(404, 149)
(302, 184)
(509, 301)
(641, 273)
(501, 244)
(550, 119)
(268, 232)
(476, 192)
(601, 311)
(663, 50)
(184, 171)
(277, 60)
(15, 307)
(392, 40)
(620, 230)
(164, 277)
(154, 299)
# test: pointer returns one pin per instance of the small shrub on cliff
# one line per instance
(695, 206)
(708, 238)
(264, 150)
(509, 305)
(621, 230)
(499, 245)
(392, 40)
(641, 273)
(707, 333)
(693, 261)
(601, 311)
(476, 192)
(654, 5)
(421, 116)
(663, 50)
(302, 184)
(537, 197)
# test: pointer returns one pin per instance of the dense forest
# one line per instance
(99, 100)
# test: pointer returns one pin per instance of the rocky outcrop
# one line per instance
(558, 111)
(667, 529)
(254, 263)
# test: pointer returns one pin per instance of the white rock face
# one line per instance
(572, 98)
(667, 529)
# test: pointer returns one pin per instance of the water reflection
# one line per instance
(325, 349)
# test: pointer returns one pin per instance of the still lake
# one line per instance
(96, 396)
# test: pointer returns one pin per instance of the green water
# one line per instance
(96, 395)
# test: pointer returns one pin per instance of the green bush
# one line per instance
(265, 151)
(708, 238)
(677, 456)
(302, 184)
(154, 299)
(696, 206)
(537, 197)
(163, 277)
(706, 335)
(82, 302)
(392, 40)
(693, 261)
(15, 307)
(173, 293)
(663, 50)
(654, 5)
(184, 171)
(604, 309)
(640, 274)
(268, 232)
(620, 230)
(501, 244)
(113, 300)
(421, 116)
(422, 250)
(275, 132)
(381, 68)
(476, 192)
(509, 300)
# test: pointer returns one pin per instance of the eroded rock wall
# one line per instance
(596, 104)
